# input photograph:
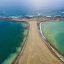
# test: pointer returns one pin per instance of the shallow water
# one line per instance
(54, 32)
(11, 38)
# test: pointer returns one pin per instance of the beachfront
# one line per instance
(35, 50)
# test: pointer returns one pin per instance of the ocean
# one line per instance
(54, 33)
(12, 34)
(23, 11)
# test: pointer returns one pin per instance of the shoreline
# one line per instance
(56, 53)
(15, 61)
(38, 18)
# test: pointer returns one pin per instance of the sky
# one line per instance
(35, 4)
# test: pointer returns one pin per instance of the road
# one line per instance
(36, 51)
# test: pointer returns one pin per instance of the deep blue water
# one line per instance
(11, 38)
(23, 11)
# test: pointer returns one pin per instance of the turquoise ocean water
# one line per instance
(11, 38)
(54, 32)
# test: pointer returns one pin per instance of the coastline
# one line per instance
(15, 61)
(56, 53)
(44, 18)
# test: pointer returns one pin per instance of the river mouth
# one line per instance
(12, 35)
(53, 31)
